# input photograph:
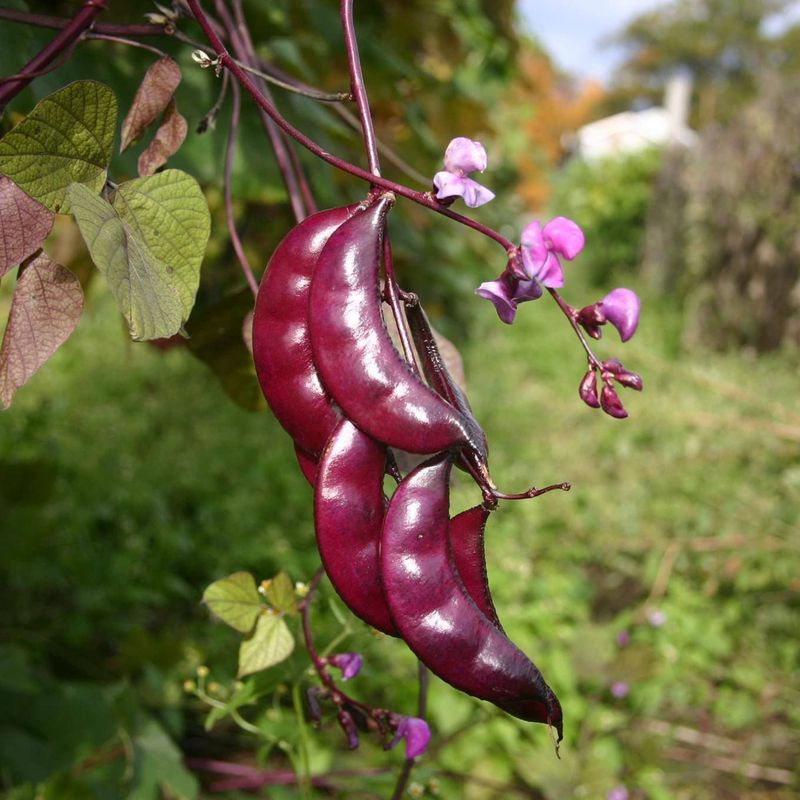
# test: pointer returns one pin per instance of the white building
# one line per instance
(631, 131)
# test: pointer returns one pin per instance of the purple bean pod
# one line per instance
(281, 344)
(349, 506)
(435, 614)
(354, 354)
(466, 537)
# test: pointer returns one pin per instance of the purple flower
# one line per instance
(416, 733)
(620, 689)
(623, 638)
(541, 248)
(462, 157)
(621, 308)
(618, 793)
(348, 663)
(507, 292)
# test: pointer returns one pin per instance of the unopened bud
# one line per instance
(613, 365)
(630, 380)
(611, 404)
(349, 728)
(590, 318)
(588, 390)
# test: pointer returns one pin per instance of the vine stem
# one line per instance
(421, 198)
(358, 87)
(230, 149)
(422, 709)
(79, 24)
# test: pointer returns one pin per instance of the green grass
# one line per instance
(129, 481)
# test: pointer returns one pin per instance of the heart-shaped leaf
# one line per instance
(47, 304)
(66, 139)
(143, 286)
(269, 644)
(24, 224)
(280, 593)
(235, 600)
(169, 213)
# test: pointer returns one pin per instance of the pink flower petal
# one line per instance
(621, 308)
(464, 156)
(563, 236)
(500, 294)
(551, 274)
(476, 195)
(450, 185)
(527, 290)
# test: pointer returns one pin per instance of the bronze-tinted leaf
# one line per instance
(24, 224)
(152, 98)
(169, 137)
(46, 307)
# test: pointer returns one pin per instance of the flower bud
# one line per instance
(349, 728)
(416, 733)
(611, 404)
(630, 380)
(588, 390)
(348, 663)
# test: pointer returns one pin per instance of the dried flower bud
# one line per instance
(314, 707)
(611, 404)
(588, 390)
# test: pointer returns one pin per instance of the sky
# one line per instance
(571, 30)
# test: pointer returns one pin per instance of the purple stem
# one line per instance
(572, 316)
(243, 47)
(338, 696)
(358, 88)
(229, 153)
(58, 23)
(422, 198)
(70, 34)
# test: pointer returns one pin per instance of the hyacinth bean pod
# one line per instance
(467, 548)
(354, 354)
(349, 506)
(442, 382)
(435, 614)
(307, 464)
(281, 345)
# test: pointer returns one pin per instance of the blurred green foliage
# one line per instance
(610, 198)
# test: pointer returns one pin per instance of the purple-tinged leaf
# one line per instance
(47, 304)
(152, 98)
(24, 224)
(167, 141)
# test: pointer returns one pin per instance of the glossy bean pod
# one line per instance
(281, 345)
(435, 614)
(349, 505)
(466, 538)
(354, 354)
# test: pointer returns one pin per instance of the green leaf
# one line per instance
(66, 139)
(269, 644)
(158, 769)
(280, 594)
(235, 600)
(142, 285)
(169, 213)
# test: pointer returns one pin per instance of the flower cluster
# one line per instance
(535, 264)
